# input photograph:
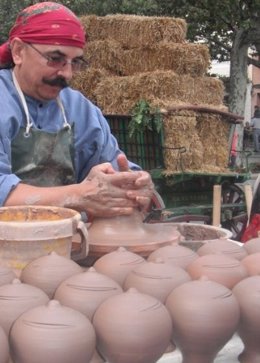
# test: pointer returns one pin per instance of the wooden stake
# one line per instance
(216, 205)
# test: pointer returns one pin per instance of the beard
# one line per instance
(56, 82)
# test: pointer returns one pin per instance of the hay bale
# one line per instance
(133, 31)
(205, 138)
(118, 95)
(87, 81)
(192, 59)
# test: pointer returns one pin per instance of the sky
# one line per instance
(221, 68)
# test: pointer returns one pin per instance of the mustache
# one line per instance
(56, 82)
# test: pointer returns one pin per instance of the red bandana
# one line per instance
(45, 23)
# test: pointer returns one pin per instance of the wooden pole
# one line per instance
(249, 200)
(216, 214)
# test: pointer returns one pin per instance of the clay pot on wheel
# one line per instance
(132, 327)
(52, 333)
(247, 293)
(205, 315)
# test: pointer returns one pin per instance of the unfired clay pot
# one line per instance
(52, 333)
(132, 327)
(15, 299)
(252, 264)
(220, 268)
(252, 246)
(205, 315)
(4, 347)
(106, 234)
(118, 264)
(47, 272)
(174, 254)
(6, 275)
(156, 278)
(86, 291)
(247, 293)
(223, 246)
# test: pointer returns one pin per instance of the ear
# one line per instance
(17, 49)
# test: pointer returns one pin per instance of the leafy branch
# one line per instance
(144, 117)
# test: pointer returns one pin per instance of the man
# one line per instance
(55, 145)
(255, 124)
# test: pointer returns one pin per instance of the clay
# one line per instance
(252, 264)
(247, 293)
(252, 246)
(15, 299)
(205, 315)
(4, 347)
(47, 272)
(6, 275)
(223, 246)
(156, 278)
(174, 254)
(52, 333)
(118, 264)
(86, 291)
(220, 268)
(132, 327)
(107, 234)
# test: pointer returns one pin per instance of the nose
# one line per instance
(66, 71)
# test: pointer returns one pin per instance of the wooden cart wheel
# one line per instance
(233, 213)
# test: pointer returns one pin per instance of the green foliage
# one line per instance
(144, 117)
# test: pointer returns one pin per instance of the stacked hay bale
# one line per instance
(135, 58)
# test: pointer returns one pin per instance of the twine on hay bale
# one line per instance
(205, 138)
(118, 95)
(188, 58)
(133, 31)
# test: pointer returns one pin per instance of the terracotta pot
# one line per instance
(47, 272)
(15, 299)
(252, 246)
(86, 291)
(132, 327)
(4, 347)
(223, 246)
(205, 315)
(220, 268)
(52, 333)
(174, 254)
(118, 264)
(252, 264)
(247, 293)
(156, 278)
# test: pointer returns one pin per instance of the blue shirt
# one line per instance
(93, 141)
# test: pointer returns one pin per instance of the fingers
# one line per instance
(122, 163)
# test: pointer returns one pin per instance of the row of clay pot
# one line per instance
(54, 278)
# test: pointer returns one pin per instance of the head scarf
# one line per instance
(45, 23)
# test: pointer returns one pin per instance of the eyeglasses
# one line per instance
(59, 61)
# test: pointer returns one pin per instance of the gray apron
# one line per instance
(43, 158)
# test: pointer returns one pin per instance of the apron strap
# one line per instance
(29, 124)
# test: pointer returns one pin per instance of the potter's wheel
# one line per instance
(107, 234)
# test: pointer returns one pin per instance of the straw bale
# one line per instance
(118, 95)
(192, 59)
(133, 31)
(86, 82)
(205, 138)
